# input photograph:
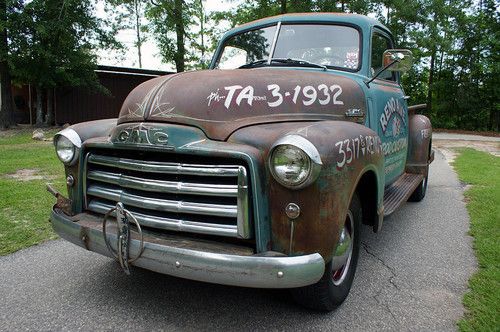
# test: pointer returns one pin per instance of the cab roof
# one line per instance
(364, 22)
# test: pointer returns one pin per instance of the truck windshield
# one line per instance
(333, 46)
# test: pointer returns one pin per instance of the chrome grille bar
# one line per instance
(170, 224)
(164, 205)
(164, 167)
(164, 186)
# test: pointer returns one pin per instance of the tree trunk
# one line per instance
(431, 80)
(283, 6)
(494, 119)
(202, 35)
(138, 31)
(179, 31)
(39, 107)
(6, 110)
(49, 120)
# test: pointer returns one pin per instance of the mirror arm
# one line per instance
(380, 72)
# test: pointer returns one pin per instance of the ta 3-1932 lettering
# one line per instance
(307, 95)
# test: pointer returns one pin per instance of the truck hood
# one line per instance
(221, 101)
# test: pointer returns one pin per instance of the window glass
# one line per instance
(246, 47)
(379, 45)
(330, 45)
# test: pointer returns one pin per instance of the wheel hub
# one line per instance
(343, 252)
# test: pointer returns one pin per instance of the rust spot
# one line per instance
(84, 237)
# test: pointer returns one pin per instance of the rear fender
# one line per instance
(419, 146)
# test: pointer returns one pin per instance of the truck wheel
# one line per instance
(420, 191)
(332, 289)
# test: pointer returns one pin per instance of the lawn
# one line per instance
(25, 167)
(482, 171)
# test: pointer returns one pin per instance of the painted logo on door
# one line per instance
(393, 124)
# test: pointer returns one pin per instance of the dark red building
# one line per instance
(77, 104)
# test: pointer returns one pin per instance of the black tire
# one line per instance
(330, 291)
(420, 191)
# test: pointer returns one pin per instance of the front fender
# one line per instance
(78, 134)
(348, 151)
(87, 130)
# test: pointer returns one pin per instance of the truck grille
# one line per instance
(170, 192)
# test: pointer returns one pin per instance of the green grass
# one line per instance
(25, 205)
(482, 171)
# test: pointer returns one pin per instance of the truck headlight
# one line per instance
(67, 143)
(294, 162)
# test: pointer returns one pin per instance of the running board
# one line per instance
(398, 192)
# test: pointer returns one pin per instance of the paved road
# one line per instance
(410, 277)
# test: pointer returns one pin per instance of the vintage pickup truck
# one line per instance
(260, 171)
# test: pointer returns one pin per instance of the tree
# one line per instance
(134, 13)
(53, 44)
(6, 110)
(199, 41)
(181, 30)
(169, 16)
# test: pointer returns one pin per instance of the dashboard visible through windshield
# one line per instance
(331, 46)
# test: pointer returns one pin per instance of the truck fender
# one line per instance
(351, 157)
(78, 134)
(419, 144)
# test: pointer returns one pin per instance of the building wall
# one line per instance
(75, 105)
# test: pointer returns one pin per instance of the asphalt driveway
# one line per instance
(411, 276)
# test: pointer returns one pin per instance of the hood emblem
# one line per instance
(142, 134)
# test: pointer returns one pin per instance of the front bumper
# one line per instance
(173, 258)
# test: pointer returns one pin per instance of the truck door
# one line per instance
(390, 109)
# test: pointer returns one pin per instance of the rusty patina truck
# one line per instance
(260, 171)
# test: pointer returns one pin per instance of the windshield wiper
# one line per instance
(296, 62)
(255, 63)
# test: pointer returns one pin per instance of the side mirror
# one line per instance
(403, 60)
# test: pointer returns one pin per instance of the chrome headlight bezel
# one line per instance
(71, 136)
(306, 148)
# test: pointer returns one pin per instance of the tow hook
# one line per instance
(62, 203)
(123, 219)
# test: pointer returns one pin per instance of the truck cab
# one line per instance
(260, 171)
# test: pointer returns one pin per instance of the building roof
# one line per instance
(131, 71)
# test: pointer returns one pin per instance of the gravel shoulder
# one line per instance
(446, 142)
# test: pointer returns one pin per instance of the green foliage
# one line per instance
(183, 30)
(53, 42)
(24, 204)
(482, 171)
(131, 18)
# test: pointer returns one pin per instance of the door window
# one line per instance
(380, 43)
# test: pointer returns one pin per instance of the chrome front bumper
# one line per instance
(220, 268)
